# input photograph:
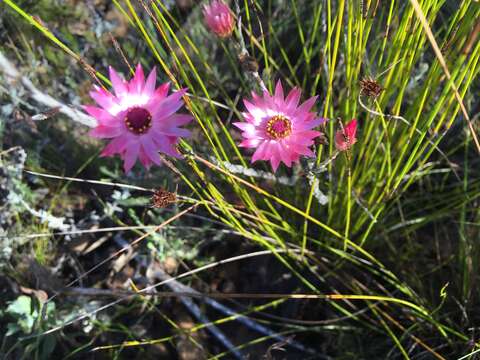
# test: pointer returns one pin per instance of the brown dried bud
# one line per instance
(321, 140)
(370, 87)
(162, 198)
(248, 62)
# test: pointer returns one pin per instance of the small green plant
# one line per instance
(24, 316)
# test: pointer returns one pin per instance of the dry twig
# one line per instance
(13, 78)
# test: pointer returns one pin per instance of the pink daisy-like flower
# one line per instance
(140, 120)
(279, 129)
(346, 137)
(219, 18)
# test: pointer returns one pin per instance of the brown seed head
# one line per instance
(162, 198)
(370, 87)
(248, 62)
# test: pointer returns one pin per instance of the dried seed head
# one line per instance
(370, 87)
(321, 140)
(162, 198)
(248, 62)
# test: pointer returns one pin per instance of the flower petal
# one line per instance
(130, 155)
(138, 81)
(144, 159)
(260, 153)
(244, 126)
(307, 125)
(279, 92)
(306, 106)
(275, 161)
(166, 144)
(301, 149)
(310, 134)
(250, 131)
(118, 84)
(250, 143)
(149, 88)
(162, 91)
(106, 132)
(351, 129)
(150, 149)
(101, 115)
(284, 153)
(168, 106)
(103, 98)
(172, 131)
(178, 120)
(117, 145)
(256, 112)
(291, 102)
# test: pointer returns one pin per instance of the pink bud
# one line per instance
(346, 137)
(219, 18)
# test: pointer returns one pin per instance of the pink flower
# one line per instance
(140, 120)
(346, 137)
(219, 18)
(278, 128)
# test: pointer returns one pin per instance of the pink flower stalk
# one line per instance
(219, 18)
(140, 119)
(279, 129)
(346, 137)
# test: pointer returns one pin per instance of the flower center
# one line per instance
(279, 127)
(138, 120)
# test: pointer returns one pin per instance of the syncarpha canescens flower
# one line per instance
(140, 120)
(278, 127)
(219, 18)
(346, 137)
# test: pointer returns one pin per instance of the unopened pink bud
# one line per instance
(346, 137)
(219, 18)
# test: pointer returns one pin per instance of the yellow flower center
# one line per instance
(279, 127)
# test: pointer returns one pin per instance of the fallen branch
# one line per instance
(179, 288)
(195, 310)
(15, 79)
